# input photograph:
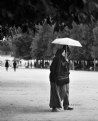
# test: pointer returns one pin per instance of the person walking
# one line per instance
(59, 93)
(6, 65)
(31, 64)
(14, 65)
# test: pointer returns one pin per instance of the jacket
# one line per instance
(58, 67)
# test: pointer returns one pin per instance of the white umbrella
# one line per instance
(67, 41)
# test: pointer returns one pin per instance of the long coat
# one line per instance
(6, 64)
(54, 68)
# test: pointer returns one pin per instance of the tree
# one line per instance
(5, 47)
(21, 46)
(28, 13)
(84, 34)
(42, 47)
(41, 42)
(95, 44)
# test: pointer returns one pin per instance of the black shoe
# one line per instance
(55, 110)
(68, 108)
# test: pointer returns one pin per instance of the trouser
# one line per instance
(58, 94)
(14, 68)
(64, 94)
(55, 100)
(6, 68)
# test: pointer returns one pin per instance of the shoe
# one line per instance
(55, 110)
(68, 108)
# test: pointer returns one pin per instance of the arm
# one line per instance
(54, 64)
(53, 69)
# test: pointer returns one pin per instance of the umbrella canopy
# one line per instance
(67, 41)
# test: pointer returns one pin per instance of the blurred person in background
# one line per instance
(6, 65)
(14, 65)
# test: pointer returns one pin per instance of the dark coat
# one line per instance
(55, 70)
(7, 64)
(14, 64)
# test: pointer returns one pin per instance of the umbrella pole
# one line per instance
(66, 52)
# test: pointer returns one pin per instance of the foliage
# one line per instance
(5, 47)
(28, 13)
(84, 34)
(38, 45)
(42, 47)
(41, 42)
(95, 45)
(21, 44)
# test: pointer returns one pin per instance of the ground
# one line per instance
(25, 94)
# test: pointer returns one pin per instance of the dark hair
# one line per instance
(66, 48)
(58, 52)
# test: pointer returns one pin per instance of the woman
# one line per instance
(59, 93)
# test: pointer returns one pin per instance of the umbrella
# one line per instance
(67, 41)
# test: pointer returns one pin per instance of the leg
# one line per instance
(6, 68)
(55, 101)
(66, 98)
(66, 95)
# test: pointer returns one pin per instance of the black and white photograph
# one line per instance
(48, 60)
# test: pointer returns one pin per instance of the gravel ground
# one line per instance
(25, 94)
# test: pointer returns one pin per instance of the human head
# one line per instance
(66, 48)
(58, 52)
